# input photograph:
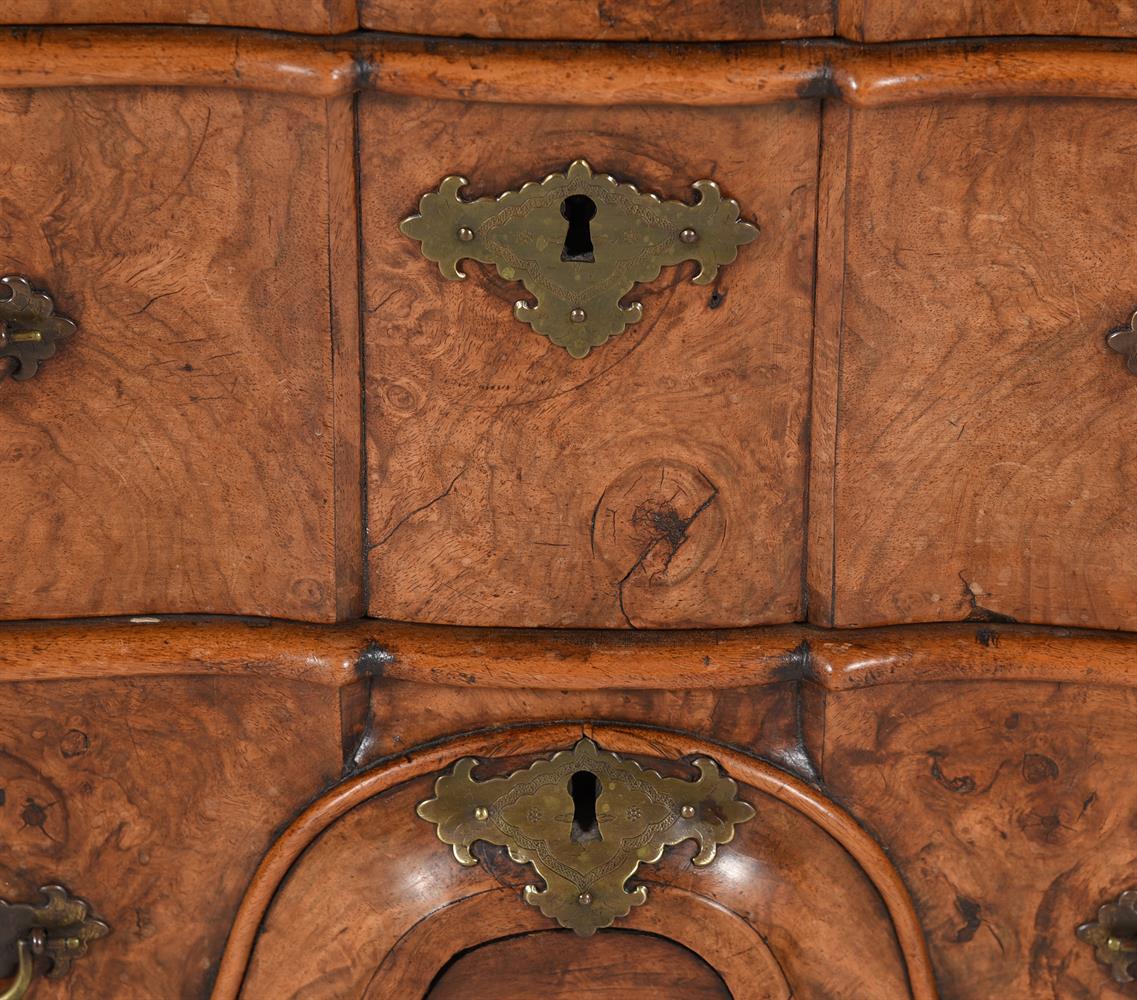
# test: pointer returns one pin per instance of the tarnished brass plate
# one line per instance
(578, 242)
(637, 813)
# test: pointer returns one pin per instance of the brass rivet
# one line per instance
(687, 812)
(481, 814)
(585, 899)
(689, 236)
(465, 234)
(578, 315)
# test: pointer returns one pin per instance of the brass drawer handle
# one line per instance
(585, 820)
(59, 930)
(1123, 339)
(578, 242)
(1114, 936)
(29, 328)
(24, 972)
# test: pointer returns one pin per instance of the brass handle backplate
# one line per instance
(57, 930)
(1124, 341)
(1114, 936)
(578, 242)
(585, 820)
(29, 328)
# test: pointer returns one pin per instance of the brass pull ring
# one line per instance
(59, 928)
(18, 987)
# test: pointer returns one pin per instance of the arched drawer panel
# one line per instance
(801, 902)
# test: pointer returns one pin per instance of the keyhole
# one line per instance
(579, 209)
(585, 790)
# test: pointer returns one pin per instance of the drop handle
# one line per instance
(51, 934)
(30, 330)
(20, 985)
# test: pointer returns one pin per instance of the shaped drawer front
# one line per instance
(178, 453)
(891, 20)
(986, 459)
(312, 16)
(626, 20)
(377, 906)
(658, 481)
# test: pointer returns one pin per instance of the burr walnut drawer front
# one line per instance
(890, 20)
(312, 16)
(152, 798)
(178, 453)
(625, 20)
(987, 440)
(602, 474)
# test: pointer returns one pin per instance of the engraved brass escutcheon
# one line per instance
(632, 815)
(1114, 936)
(29, 327)
(58, 931)
(578, 242)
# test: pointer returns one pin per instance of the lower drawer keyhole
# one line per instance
(584, 787)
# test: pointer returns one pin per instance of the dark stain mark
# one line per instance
(970, 911)
(418, 510)
(363, 69)
(1042, 827)
(607, 17)
(1037, 768)
(820, 86)
(664, 524)
(1090, 800)
(75, 743)
(978, 613)
(1012, 721)
(357, 718)
(987, 637)
(963, 785)
(373, 660)
(3, 796)
(155, 298)
(794, 665)
(717, 299)
(34, 815)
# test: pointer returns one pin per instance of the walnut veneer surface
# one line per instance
(855, 520)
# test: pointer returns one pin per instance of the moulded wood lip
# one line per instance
(578, 73)
(562, 660)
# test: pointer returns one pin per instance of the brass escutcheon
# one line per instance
(29, 327)
(578, 242)
(633, 815)
(1114, 936)
(57, 930)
